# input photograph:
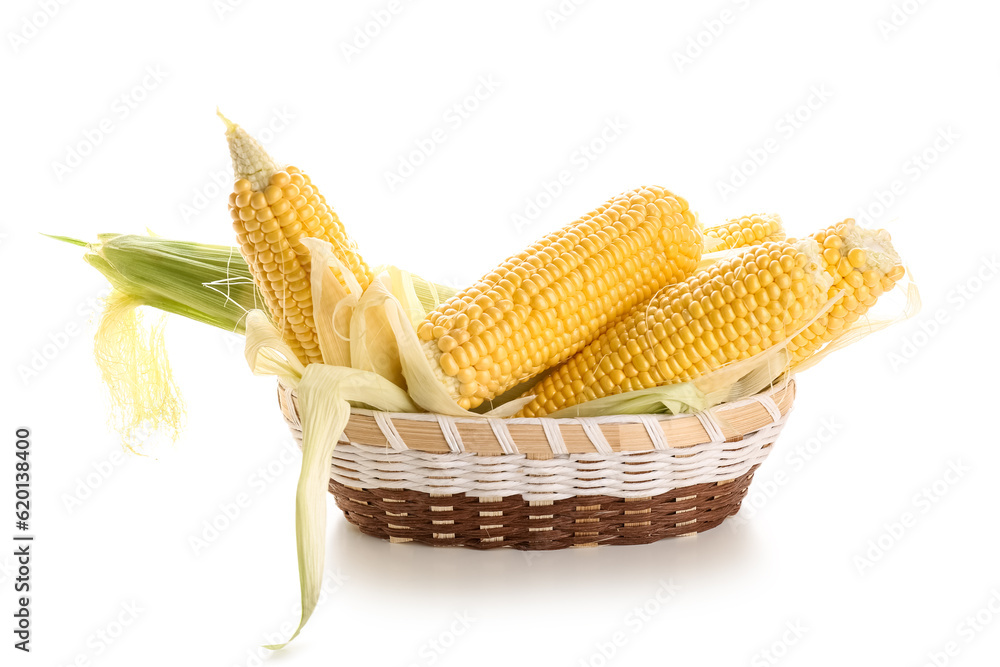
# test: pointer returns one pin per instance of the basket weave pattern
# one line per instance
(548, 483)
(484, 523)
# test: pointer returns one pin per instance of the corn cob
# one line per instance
(273, 209)
(745, 231)
(541, 306)
(725, 313)
(862, 263)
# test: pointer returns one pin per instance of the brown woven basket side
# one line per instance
(463, 521)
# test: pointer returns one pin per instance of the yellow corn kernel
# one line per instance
(863, 265)
(561, 291)
(273, 209)
(746, 231)
(747, 334)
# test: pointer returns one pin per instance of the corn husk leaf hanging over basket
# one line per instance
(386, 357)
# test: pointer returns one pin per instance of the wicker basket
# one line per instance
(548, 483)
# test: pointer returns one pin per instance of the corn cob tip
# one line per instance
(846, 246)
(250, 160)
(230, 125)
(862, 265)
(877, 246)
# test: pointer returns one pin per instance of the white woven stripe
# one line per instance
(449, 429)
(623, 475)
(711, 426)
(389, 431)
(596, 435)
(770, 406)
(503, 437)
(554, 435)
(654, 432)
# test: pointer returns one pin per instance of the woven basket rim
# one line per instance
(439, 434)
(776, 389)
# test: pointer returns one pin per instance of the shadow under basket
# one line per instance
(548, 483)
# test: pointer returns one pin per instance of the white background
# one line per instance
(900, 422)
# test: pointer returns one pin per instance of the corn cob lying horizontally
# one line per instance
(727, 312)
(745, 231)
(862, 263)
(273, 209)
(541, 306)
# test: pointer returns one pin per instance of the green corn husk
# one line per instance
(207, 283)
